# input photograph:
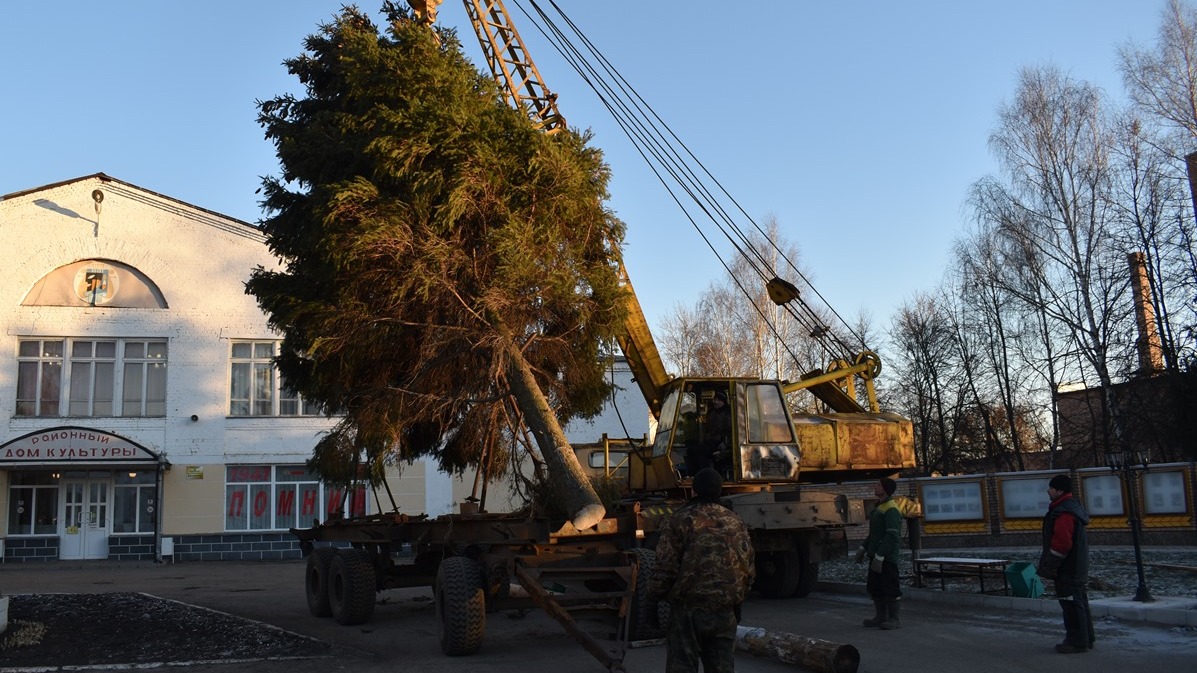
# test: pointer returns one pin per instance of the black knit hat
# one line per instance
(708, 485)
(888, 484)
(1061, 482)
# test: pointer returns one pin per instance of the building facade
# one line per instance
(143, 416)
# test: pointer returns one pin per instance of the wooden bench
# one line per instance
(980, 569)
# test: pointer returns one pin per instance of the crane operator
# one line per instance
(716, 436)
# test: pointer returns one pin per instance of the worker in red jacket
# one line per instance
(1065, 559)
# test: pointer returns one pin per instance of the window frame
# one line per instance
(43, 391)
(70, 392)
(259, 390)
(1024, 497)
(248, 487)
(142, 489)
(41, 486)
(1164, 482)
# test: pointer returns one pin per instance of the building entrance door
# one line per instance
(85, 521)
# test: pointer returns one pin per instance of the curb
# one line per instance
(1167, 611)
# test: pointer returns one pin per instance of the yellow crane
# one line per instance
(768, 451)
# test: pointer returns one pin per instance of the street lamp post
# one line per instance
(1128, 465)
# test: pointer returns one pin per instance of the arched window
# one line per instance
(96, 282)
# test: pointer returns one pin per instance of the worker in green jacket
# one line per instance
(882, 548)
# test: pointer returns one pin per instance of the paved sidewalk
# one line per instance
(942, 631)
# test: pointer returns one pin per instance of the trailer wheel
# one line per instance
(808, 577)
(460, 606)
(316, 580)
(649, 616)
(351, 587)
(777, 573)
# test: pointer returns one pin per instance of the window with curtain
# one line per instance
(97, 372)
(255, 386)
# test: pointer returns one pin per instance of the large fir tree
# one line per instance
(435, 247)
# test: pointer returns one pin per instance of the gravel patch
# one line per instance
(136, 629)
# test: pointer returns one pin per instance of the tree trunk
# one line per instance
(570, 482)
(818, 655)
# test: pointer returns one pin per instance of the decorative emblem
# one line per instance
(96, 284)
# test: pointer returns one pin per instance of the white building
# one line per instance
(144, 415)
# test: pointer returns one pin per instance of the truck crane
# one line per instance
(770, 452)
(477, 563)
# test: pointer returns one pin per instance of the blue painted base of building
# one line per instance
(211, 547)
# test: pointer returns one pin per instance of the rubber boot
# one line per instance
(893, 622)
(879, 605)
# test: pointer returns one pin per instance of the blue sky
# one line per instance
(859, 125)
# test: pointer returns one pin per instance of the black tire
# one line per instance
(777, 573)
(351, 587)
(646, 622)
(316, 580)
(808, 577)
(460, 606)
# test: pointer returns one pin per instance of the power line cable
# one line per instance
(679, 170)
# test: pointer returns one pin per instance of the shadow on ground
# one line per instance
(137, 629)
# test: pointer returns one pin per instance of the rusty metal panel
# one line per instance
(808, 512)
(856, 442)
(817, 441)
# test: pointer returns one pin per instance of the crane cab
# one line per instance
(749, 439)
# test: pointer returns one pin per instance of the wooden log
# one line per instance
(817, 655)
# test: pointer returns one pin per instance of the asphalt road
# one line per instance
(934, 638)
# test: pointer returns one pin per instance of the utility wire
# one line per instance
(678, 170)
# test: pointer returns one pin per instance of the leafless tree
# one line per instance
(1162, 84)
(1038, 293)
(929, 390)
(1151, 206)
(997, 337)
(735, 329)
(1053, 207)
(680, 339)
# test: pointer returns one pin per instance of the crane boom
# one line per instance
(510, 64)
(854, 441)
(523, 88)
(638, 347)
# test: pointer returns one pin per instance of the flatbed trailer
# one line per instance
(594, 582)
(591, 581)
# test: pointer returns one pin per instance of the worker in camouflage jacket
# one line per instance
(882, 548)
(704, 568)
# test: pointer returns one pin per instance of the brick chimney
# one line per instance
(1151, 353)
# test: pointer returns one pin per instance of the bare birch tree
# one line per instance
(928, 389)
(1054, 204)
(1162, 84)
(736, 330)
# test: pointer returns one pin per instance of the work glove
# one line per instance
(860, 555)
(875, 564)
(738, 608)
